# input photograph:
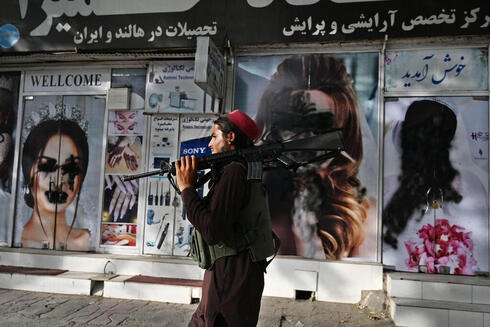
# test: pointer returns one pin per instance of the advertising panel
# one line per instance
(195, 134)
(124, 156)
(49, 25)
(326, 209)
(57, 205)
(435, 201)
(161, 199)
(171, 89)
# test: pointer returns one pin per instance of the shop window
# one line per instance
(61, 144)
(435, 179)
(316, 212)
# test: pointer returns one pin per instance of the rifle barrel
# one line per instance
(148, 173)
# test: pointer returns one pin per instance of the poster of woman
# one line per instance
(435, 202)
(327, 209)
(61, 146)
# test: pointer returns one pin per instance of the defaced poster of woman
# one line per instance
(435, 202)
(327, 209)
(61, 146)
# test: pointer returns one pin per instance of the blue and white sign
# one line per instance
(197, 147)
(170, 88)
(9, 35)
(458, 69)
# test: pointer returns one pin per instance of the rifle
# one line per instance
(262, 157)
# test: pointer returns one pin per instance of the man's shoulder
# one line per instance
(235, 168)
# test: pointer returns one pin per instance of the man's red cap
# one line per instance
(244, 123)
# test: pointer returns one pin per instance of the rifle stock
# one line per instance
(267, 153)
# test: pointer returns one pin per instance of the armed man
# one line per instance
(233, 235)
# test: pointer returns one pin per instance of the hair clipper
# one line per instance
(162, 237)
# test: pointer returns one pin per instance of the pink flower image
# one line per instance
(444, 245)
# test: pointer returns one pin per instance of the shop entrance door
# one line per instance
(59, 172)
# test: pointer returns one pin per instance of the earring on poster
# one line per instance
(28, 198)
(434, 203)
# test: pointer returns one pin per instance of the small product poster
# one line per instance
(194, 139)
(164, 136)
(124, 156)
(9, 89)
(161, 198)
(159, 220)
(119, 234)
(128, 122)
(435, 201)
(120, 200)
(171, 89)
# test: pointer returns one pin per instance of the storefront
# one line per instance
(91, 94)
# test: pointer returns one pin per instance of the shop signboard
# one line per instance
(51, 25)
(67, 80)
(431, 70)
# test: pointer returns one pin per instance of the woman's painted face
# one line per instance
(125, 122)
(56, 182)
(314, 101)
(323, 102)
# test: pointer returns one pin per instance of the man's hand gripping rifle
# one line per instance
(263, 157)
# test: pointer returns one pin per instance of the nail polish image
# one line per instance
(120, 200)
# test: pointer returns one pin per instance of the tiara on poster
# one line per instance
(51, 111)
(6, 83)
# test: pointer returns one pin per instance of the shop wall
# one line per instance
(290, 96)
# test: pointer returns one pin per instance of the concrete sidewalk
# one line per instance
(23, 308)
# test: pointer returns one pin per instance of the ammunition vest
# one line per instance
(253, 233)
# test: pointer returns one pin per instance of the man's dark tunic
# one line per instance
(233, 288)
